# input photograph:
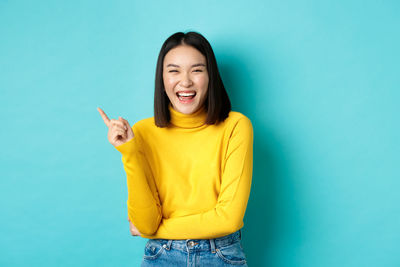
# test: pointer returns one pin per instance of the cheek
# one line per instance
(168, 83)
(202, 82)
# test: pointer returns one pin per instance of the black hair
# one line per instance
(217, 103)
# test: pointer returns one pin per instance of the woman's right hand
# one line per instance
(133, 229)
(119, 131)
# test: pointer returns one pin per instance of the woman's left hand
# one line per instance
(133, 229)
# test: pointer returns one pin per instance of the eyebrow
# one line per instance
(194, 65)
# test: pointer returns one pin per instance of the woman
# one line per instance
(189, 167)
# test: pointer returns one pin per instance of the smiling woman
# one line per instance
(185, 78)
(186, 63)
(189, 168)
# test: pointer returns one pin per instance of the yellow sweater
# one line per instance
(191, 180)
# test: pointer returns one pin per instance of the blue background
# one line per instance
(318, 79)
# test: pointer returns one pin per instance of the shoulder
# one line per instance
(238, 126)
(238, 130)
(238, 120)
(143, 125)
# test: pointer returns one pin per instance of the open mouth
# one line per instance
(186, 97)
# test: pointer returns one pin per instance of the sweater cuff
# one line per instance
(129, 148)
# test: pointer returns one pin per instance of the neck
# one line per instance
(196, 119)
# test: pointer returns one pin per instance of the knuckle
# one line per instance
(117, 122)
(116, 127)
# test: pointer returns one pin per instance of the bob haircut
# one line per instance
(217, 103)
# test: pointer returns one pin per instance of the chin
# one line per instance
(186, 110)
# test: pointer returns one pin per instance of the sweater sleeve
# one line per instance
(227, 215)
(144, 209)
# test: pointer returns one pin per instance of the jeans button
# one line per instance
(191, 243)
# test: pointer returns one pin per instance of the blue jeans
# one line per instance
(221, 251)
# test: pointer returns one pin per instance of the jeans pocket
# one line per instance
(153, 250)
(232, 254)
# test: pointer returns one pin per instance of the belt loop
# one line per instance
(240, 234)
(212, 243)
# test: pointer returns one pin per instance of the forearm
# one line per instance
(144, 209)
(225, 218)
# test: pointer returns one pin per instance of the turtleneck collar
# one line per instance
(193, 120)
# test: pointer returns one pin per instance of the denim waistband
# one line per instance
(200, 244)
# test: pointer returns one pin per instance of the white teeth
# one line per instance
(186, 94)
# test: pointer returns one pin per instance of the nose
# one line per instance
(186, 80)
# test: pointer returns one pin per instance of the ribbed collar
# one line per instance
(188, 120)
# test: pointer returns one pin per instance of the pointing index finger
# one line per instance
(104, 116)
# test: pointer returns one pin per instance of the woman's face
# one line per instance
(185, 78)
